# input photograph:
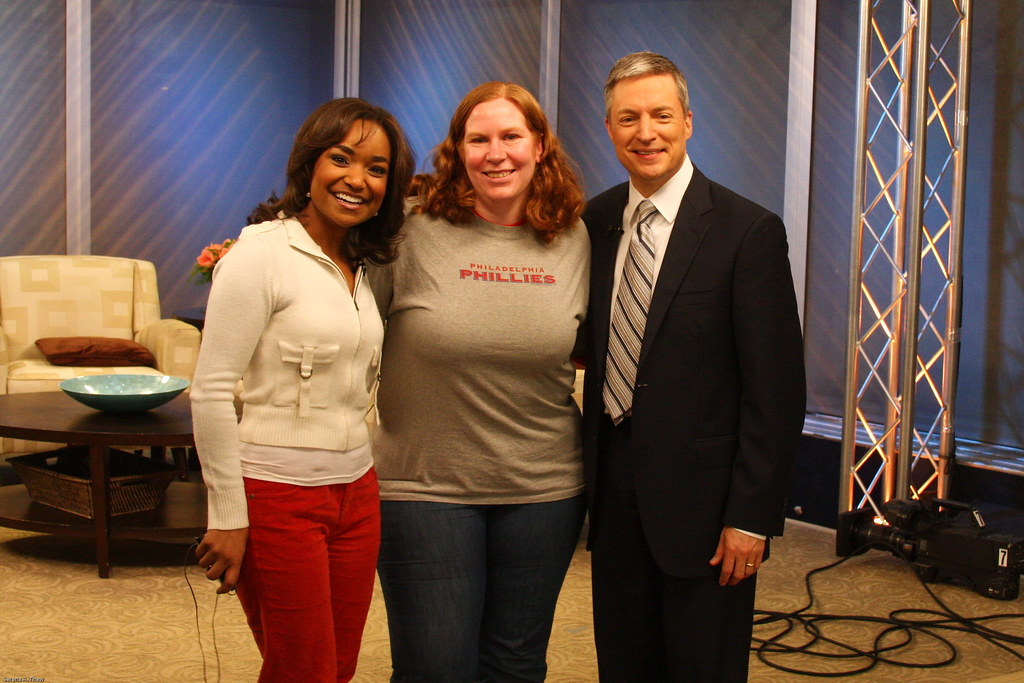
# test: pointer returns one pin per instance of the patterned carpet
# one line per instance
(62, 624)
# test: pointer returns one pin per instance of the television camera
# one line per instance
(940, 541)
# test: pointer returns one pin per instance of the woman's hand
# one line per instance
(220, 553)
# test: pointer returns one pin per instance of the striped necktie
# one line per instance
(629, 316)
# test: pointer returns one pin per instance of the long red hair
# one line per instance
(554, 200)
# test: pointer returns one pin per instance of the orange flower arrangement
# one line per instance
(202, 269)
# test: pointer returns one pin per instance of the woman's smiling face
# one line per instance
(500, 153)
(350, 178)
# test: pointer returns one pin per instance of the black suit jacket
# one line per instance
(719, 401)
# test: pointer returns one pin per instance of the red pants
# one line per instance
(307, 576)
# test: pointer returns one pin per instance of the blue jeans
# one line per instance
(470, 590)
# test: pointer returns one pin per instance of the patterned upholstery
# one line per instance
(67, 296)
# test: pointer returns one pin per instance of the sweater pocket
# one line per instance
(311, 383)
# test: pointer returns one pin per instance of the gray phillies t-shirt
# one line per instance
(475, 399)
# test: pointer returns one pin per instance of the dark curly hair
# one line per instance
(374, 240)
(554, 200)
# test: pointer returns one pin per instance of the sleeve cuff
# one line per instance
(751, 533)
(226, 509)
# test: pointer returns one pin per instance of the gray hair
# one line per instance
(644, 64)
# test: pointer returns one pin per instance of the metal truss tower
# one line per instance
(906, 251)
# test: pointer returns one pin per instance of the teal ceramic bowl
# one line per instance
(124, 393)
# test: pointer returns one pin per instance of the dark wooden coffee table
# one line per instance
(55, 416)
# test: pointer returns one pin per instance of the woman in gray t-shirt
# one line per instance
(478, 448)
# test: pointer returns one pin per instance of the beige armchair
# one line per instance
(82, 296)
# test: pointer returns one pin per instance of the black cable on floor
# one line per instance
(899, 624)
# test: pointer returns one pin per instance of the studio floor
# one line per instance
(62, 624)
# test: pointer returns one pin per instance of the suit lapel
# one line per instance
(688, 231)
(606, 237)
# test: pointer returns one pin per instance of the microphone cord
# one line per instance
(189, 553)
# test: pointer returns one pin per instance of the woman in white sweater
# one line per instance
(294, 519)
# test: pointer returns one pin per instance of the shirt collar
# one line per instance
(666, 199)
(300, 239)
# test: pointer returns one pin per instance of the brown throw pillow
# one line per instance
(95, 351)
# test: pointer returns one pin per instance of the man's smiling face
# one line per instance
(649, 129)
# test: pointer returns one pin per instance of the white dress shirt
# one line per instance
(666, 200)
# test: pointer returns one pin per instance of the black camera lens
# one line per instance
(910, 515)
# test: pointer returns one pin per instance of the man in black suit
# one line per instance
(688, 447)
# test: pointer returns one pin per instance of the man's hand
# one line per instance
(739, 554)
(220, 554)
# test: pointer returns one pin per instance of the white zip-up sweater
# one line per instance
(280, 316)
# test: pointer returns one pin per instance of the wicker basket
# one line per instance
(60, 479)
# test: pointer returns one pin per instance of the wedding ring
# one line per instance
(749, 564)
